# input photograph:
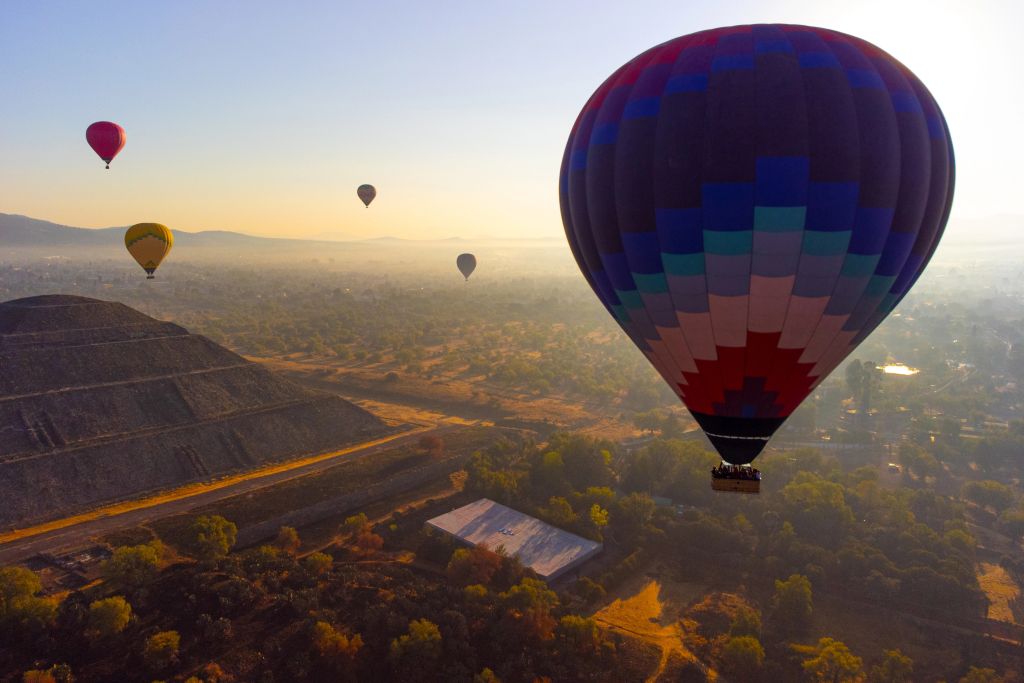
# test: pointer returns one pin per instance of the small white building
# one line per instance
(545, 549)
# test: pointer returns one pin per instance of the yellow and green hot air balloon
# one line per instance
(149, 243)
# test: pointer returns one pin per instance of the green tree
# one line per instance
(560, 513)
(288, 541)
(747, 622)
(161, 649)
(415, 654)
(832, 662)
(817, 508)
(854, 377)
(318, 563)
(637, 509)
(978, 675)
(355, 524)
(598, 516)
(22, 610)
(793, 604)
(133, 566)
(895, 667)
(212, 537)
(989, 493)
(108, 617)
(742, 658)
(578, 634)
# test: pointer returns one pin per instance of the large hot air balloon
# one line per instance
(106, 139)
(466, 264)
(149, 243)
(749, 203)
(366, 194)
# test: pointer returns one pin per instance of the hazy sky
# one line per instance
(263, 117)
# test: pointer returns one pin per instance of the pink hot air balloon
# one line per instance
(106, 139)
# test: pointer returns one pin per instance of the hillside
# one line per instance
(99, 403)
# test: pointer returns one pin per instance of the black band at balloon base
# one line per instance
(738, 439)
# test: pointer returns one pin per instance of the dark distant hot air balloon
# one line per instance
(466, 264)
(749, 203)
(366, 194)
(106, 139)
(149, 243)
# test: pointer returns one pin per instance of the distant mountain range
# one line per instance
(22, 231)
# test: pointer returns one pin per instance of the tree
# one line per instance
(579, 634)
(832, 663)
(212, 537)
(637, 509)
(337, 648)
(989, 493)
(415, 654)
(979, 675)
(108, 617)
(598, 516)
(161, 649)
(560, 513)
(817, 508)
(486, 676)
(476, 565)
(854, 377)
(895, 667)
(793, 604)
(318, 563)
(288, 541)
(132, 566)
(58, 673)
(742, 658)
(432, 444)
(747, 622)
(22, 610)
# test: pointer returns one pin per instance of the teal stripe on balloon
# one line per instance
(728, 242)
(620, 313)
(630, 298)
(683, 264)
(779, 218)
(651, 283)
(826, 243)
(879, 285)
(859, 265)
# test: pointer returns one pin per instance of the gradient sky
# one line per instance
(263, 117)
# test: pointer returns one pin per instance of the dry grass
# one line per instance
(642, 616)
(1000, 589)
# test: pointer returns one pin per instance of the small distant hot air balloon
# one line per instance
(106, 139)
(366, 193)
(749, 203)
(466, 264)
(149, 243)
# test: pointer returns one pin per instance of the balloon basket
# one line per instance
(736, 485)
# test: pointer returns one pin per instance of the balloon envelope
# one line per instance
(366, 194)
(749, 203)
(106, 139)
(149, 243)
(466, 264)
